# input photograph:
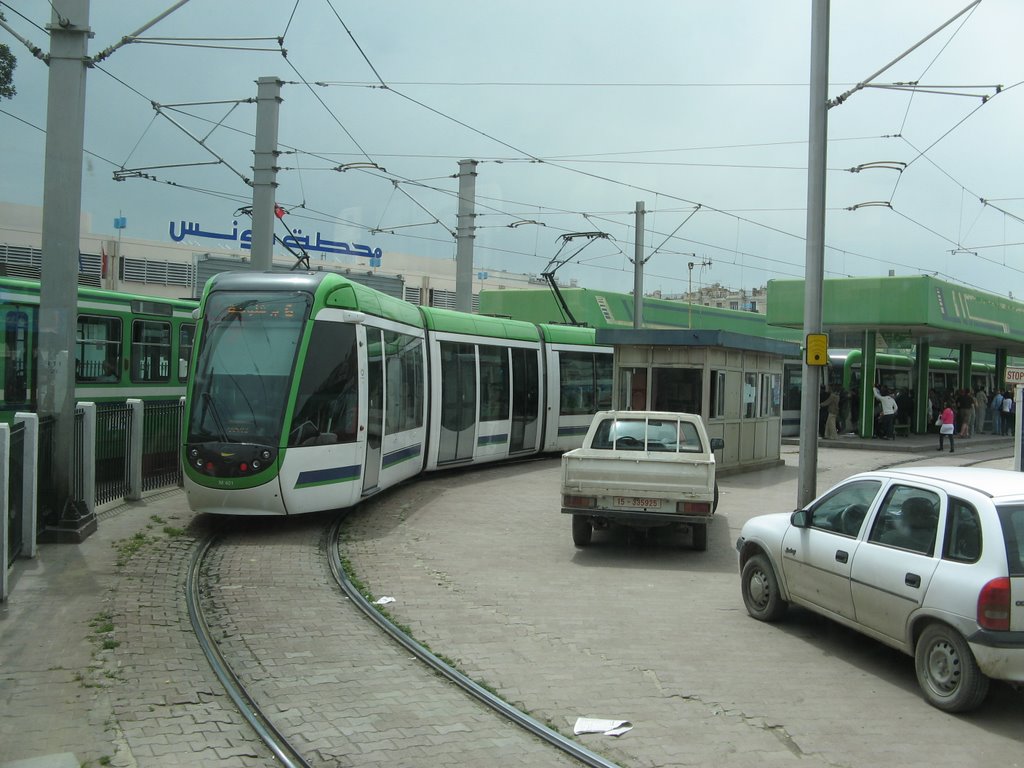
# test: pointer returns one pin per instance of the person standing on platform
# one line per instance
(831, 406)
(996, 406)
(887, 422)
(1006, 412)
(980, 407)
(946, 428)
(965, 411)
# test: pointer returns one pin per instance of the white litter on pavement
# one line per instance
(607, 727)
(384, 601)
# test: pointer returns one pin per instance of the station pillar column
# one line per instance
(866, 399)
(964, 369)
(919, 419)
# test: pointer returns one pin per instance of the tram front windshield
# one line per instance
(244, 369)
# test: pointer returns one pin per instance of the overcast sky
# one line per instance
(576, 110)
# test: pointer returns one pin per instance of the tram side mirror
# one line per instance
(717, 444)
(799, 518)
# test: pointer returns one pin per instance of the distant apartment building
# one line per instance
(720, 297)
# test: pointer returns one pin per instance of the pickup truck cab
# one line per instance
(644, 469)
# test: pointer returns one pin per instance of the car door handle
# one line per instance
(912, 580)
(841, 556)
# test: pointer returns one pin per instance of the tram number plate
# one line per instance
(634, 501)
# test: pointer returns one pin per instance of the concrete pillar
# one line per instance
(867, 382)
(30, 486)
(919, 421)
(135, 446)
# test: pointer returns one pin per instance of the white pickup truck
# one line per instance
(643, 469)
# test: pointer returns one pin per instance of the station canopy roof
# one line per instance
(905, 311)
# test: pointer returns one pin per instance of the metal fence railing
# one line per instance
(15, 491)
(47, 509)
(113, 430)
(161, 439)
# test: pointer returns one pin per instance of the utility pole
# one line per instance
(264, 178)
(814, 270)
(638, 268)
(62, 211)
(464, 236)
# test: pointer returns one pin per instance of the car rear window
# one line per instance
(650, 435)
(1012, 520)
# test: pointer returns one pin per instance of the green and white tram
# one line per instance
(126, 345)
(311, 392)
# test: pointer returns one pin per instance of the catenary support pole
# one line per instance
(62, 206)
(638, 268)
(465, 235)
(264, 178)
(817, 151)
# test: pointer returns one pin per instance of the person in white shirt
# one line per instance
(887, 422)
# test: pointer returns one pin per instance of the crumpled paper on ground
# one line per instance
(596, 725)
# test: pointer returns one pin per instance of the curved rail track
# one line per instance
(289, 754)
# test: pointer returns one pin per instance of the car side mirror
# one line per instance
(799, 518)
(717, 444)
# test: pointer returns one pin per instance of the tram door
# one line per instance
(525, 399)
(374, 408)
(458, 402)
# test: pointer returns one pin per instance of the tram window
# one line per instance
(97, 348)
(151, 351)
(327, 405)
(771, 395)
(717, 394)
(493, 383)
(749, 395)
(186, 337)
(793, 376)
(15, 357)
(404, 372)
(583, 380)
(603, 378)
(676, 389)
(633, 389)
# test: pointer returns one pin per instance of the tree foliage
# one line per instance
(7, 64)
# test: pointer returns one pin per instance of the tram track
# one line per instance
(282, 748)
(305, 750)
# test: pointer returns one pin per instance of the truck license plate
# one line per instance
(634, 501)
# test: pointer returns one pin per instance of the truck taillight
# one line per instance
(693, 507)
(994, 605)
(579, 502)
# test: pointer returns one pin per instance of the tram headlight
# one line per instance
(256, 465)
(265, 455)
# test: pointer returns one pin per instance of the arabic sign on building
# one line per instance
(295, 240)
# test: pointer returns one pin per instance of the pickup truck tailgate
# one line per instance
(654, 476)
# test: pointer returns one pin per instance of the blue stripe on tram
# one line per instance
(404, 454)
(328, 476)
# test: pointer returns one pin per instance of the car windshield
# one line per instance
(1011, 517)
(244, 366)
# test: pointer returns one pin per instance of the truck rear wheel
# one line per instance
(700, 537)
(582, 530)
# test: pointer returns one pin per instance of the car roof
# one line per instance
(1001, 484)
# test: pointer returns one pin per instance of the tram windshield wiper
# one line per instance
(212, 410)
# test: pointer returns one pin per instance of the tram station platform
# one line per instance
(923, 444)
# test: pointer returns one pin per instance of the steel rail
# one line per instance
(503, 708)
(247, 706)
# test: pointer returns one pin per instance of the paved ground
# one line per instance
(97, 665)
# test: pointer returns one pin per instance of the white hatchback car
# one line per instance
(928, 560)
